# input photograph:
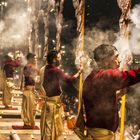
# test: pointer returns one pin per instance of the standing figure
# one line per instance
(7, 96)
(100, 96)
(51, 116)
(29, 94)
(9, 66)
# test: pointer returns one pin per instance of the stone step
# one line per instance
(4, 113)
(15, 116)
(6, 130)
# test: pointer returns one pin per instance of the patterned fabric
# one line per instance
(51, 122)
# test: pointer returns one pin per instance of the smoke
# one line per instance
(127, 47)
(93, 38)
(135, 30)
(14, 27)
(133, 111)
(135, 16)
(96, 37)
(2, 26)
(133, 107)
(125, 54)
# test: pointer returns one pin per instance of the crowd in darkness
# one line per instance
(70, 104)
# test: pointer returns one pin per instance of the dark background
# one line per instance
(97, 9)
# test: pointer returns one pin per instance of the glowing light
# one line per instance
(62, 52)
(16, 36)
(53, 41)
(39, 46)
(65, 137)
(63, 47)
(5, 3)
(29, 9)
(65, 26)
(76, 100)
(10, 54)
(32, 136)
(51, 10)
(23, 15)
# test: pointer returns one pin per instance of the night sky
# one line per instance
(96, 10)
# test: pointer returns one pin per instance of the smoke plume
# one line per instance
(14, 27)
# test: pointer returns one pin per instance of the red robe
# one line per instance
(9, 66)
(99, 95)
(30, 73)
(53, 77)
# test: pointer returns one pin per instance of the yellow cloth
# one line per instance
(6, 89)
(79, 126)
(42, 91)
(51, 122)
(99, 134)
(10, 82)
(7, 93)
(92, 133)
(29, 106)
